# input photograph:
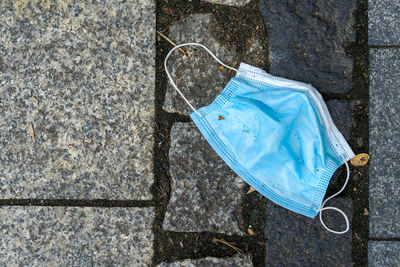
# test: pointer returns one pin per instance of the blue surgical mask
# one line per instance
(277, 135)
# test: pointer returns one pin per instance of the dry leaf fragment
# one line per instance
(360, 159)
(31, 130)
(250, 231)
(251, 190)
(168, 11)
(366, 213)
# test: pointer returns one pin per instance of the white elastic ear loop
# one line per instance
(169, 75)
(336, 209)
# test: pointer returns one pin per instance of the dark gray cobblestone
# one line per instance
(307, 41)
(206, 193)
(342, 115)
(295, 240)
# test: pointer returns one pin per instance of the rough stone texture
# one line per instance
(199, 76)
(384, 132)
(384, 22)
(229, 2)
(83, 74)
(255, 53)
(307, 39)
(206, 193)
(239, 260)
(341, 113)
(74, 236)
(295, 240)
(383, 253)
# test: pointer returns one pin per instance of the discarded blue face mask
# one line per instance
(277, 135)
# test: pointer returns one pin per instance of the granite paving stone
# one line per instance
(82, 74)
(75, 236)
(383, 253)
(229, 2)
(199, 76)
(206, 193)
(239, 260)
(307, 41)
(384, 22)
(296, 240)
(384, 131)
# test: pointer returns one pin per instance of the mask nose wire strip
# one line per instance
(172, 81)
(336, 209)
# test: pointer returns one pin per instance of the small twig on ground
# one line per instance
(172, 42)
(31, 130)
(238, 250)
(166, 28)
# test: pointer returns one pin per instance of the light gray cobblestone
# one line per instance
(206, 193)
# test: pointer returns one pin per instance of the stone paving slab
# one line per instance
(239, 260)
(307, 41)
(206, 193)
(75, 236)
(384, 22)
(296, 240)
(384, 130)
(383, 253)
(83, 74)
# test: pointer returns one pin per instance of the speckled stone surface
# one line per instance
(239, 260)
(307, 41)
(342, 115)
(74, 236)
(384, 136)
(384, 22)
(383, 253)
(296, 240)
(206, 193)
(229, 2)
(199, 76)
(83, 74)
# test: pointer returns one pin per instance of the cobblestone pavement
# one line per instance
(101, 165)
